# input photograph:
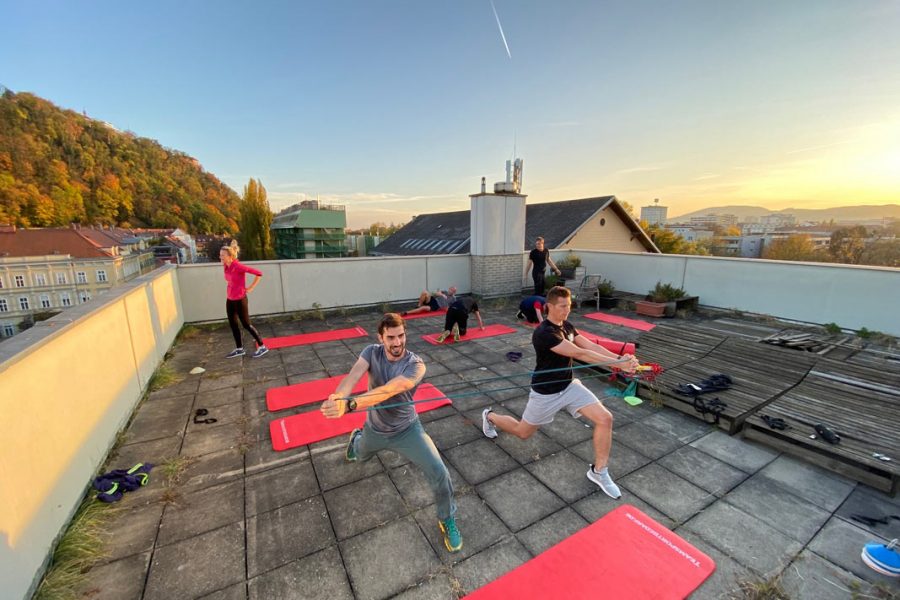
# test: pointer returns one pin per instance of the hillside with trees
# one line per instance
(59, 167)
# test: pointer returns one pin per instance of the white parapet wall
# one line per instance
(851, 296)
(67, 386)
(293, 285)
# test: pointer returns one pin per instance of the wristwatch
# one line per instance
(350, 405)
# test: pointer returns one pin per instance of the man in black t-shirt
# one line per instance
(457, 320)
(553, 388)
(539, 258)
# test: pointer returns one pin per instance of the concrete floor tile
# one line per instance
(646, 440)
(703, 470)
(745, 538)
(197, 565)
(504, 495)
(132, 531)
(477, 524)
(823, 488)
(488, 565)
(841, 543)
(551, 530)
(318, 576)
(453, 431)
(622, 459)
(364, 504)
(116, 580)
(285, 534)
(437, 587)
(726, 580)
(747, 456)
(564, 474)
(386, 560)
(198, 512)
(811, 577)
(333, 470)
(676, 497)
(277, 487)
(772, 503)
(480, 460)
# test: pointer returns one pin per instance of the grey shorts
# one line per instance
(541, 408)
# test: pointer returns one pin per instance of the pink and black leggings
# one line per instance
(237, 309)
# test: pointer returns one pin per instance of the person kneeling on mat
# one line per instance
(457, 319)
(553, 387)
(532, 309)
(394, 375)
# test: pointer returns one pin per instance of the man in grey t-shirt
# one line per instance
(392, 422)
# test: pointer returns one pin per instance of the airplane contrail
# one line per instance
(501, 30)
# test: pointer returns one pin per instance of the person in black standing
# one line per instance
(538, 259)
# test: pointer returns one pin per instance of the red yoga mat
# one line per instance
(301, 339)
(435, 313)
(611, 345)
(289, 396)
(309, 427)
(625, 322)
(626, 554)
(473, 333)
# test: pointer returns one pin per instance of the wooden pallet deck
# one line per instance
(671, 346)
(760, 374)
(861, 403)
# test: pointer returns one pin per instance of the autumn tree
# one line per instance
(848, 244)
(794, 247)
(255, 223)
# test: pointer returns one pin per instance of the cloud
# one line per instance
(642, 169)
(706, 176)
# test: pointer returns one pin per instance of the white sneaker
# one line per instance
(486, 426)
(605, 482)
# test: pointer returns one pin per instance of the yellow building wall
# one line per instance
(65, 391)
(612, 236)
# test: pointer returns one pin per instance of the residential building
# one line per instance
(48, 270)
(713, 219)
(590, 224)
(310, 230)
(654, 214)
(690, 234)
(172, 245)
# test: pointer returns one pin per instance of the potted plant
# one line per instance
(605, 291)
(570, 267)
(660, 301)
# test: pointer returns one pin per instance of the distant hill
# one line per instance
(839, 213)
(58, 167)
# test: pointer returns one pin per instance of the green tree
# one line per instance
(256, 218)
(794, 247)
(848, 244)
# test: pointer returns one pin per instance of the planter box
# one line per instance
(650, 309)
(607, 302)
(687, 303)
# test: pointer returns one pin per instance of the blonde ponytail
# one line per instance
(233, 249)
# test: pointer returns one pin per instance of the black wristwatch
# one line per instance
(351, 405)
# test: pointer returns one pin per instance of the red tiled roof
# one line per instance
(41, 242)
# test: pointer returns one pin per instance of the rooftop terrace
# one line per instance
(245, 521)
(231, 518)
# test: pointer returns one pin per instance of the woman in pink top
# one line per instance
(236, 299)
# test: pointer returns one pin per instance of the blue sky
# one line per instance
(397, 108)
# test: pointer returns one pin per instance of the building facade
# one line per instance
(45, 271)
(310, 230)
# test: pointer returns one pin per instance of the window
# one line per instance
(81, 277)
(64, 299)
(84, 296)
(8, 330)
(20, 281)
(4, 307)
(45, 301)
(23, 303)
(101, 275)
(40, 279)
(61, 279)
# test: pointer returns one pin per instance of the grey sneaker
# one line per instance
(260, 351)
(486, 426)
(350, 454)
(605, 482)
(235, 353)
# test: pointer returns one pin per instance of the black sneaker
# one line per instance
(235, 353)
